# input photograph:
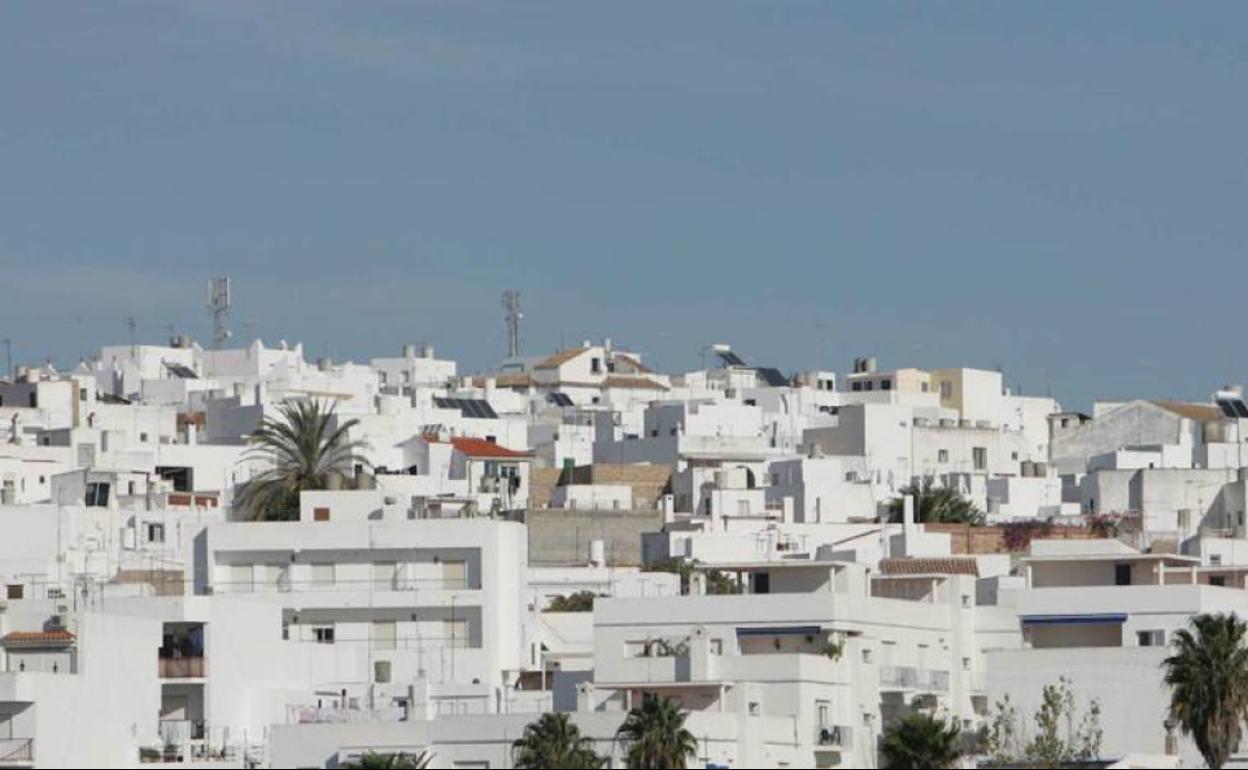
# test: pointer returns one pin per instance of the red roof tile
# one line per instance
(479, 447)
(37, 637)
(928, 566)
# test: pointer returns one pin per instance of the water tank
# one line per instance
(426, 351)
(325, 363)
(409, 351)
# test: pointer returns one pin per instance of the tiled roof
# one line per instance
(928, 566)
(505, 380)
(1198, 412)
(479, 447)
(624, 381)
(37, 638)
(633, 362)
(560, 358)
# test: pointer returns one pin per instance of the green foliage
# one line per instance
(401, 761)
(717, 581)
(935, 504)
(654, 735)
(920, 740)
(1061, 735)
(1208, 680)
(581, 601)
(554, 741)
(303, 452)
(834, 649)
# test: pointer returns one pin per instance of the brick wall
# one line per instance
(965, 539)
(562, 538)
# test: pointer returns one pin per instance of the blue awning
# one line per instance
(1096, 619)
(779, 631)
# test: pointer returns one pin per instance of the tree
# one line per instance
(555, 742)
(1062, 736)
(717, 581)
(1208, 680)
(654, 735)
(920, 740)
(303, 452)
(935, 504)
(581, 601)
(372, 760)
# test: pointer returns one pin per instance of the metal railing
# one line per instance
(17, 750)
(395, 583)
(834, 736)
(912, 678)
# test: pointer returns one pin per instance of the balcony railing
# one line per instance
(394, 583)
(17, 750)
(834, 737)
(182, 668)
(911, 678)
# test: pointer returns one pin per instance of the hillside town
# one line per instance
(233, 556)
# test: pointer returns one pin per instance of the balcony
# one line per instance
(17, 751)
(901, 678)
(182, 668)
(834, 737)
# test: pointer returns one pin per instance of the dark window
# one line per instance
(320, 514)
(97, 495)
(855, 386)
(762, 582)
(34, 400)
(1122, 574)
(595, 365)
(1218, 580)
(13, 591)
(886, 385)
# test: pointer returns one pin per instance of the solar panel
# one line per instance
(729, 358)
(180, 371)
(772, 377)
(468, 407)
(559, 399)
(1233, 407)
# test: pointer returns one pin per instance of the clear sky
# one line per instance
(1058, 189)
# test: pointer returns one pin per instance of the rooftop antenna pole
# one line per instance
(8, 357)
(133, 326)
(219, 308)
(512, 314)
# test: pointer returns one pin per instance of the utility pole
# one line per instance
(8, 357)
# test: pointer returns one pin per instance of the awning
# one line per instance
(779, 631)
(1096, 619)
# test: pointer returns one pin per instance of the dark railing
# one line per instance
(181, 668)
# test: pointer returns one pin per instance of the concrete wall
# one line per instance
(562, 538)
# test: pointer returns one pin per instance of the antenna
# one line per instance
(133, 326)
(511, 307)
(219, 307)
(8, 357)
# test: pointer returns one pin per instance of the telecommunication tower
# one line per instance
(219, 308)
(512, 314)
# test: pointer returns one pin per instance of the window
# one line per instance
(717, 646)
(946, 389)
(34, 400)
(97, 494)
(454, 573)
(869, 385)
(381, 671)
(595, 365)
(925, 387)
(320, 514)
(14, 591)
(143, 438)
(1185, 520)
(979, 457)
(323, 574)
(1215, 559)
(823, 711)
(855, 386)
(1151, 638)
(942, 455)
(1218, 580)
(384, 634)
(886, 384)
(155, 533)
(743, 507)
(323, 634)
(82, 394)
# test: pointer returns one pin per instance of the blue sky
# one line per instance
(1057, 189)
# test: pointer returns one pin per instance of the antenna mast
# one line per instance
(511, 308)
(219, 308)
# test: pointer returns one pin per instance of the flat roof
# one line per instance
(1076, 557)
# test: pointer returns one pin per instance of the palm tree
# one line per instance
(1208, 680)
(372, 760)
(935, 504)
(654, 735)
(921, 740)
(554, 741)
(304, 452)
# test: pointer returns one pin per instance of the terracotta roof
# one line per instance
(37, 638)
(560, 358)
(634, 362)
(928, 566)
(624, 381)
(505, 380)
(1198, 412)
(479, 447)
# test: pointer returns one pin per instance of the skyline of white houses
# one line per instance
(571, 532)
